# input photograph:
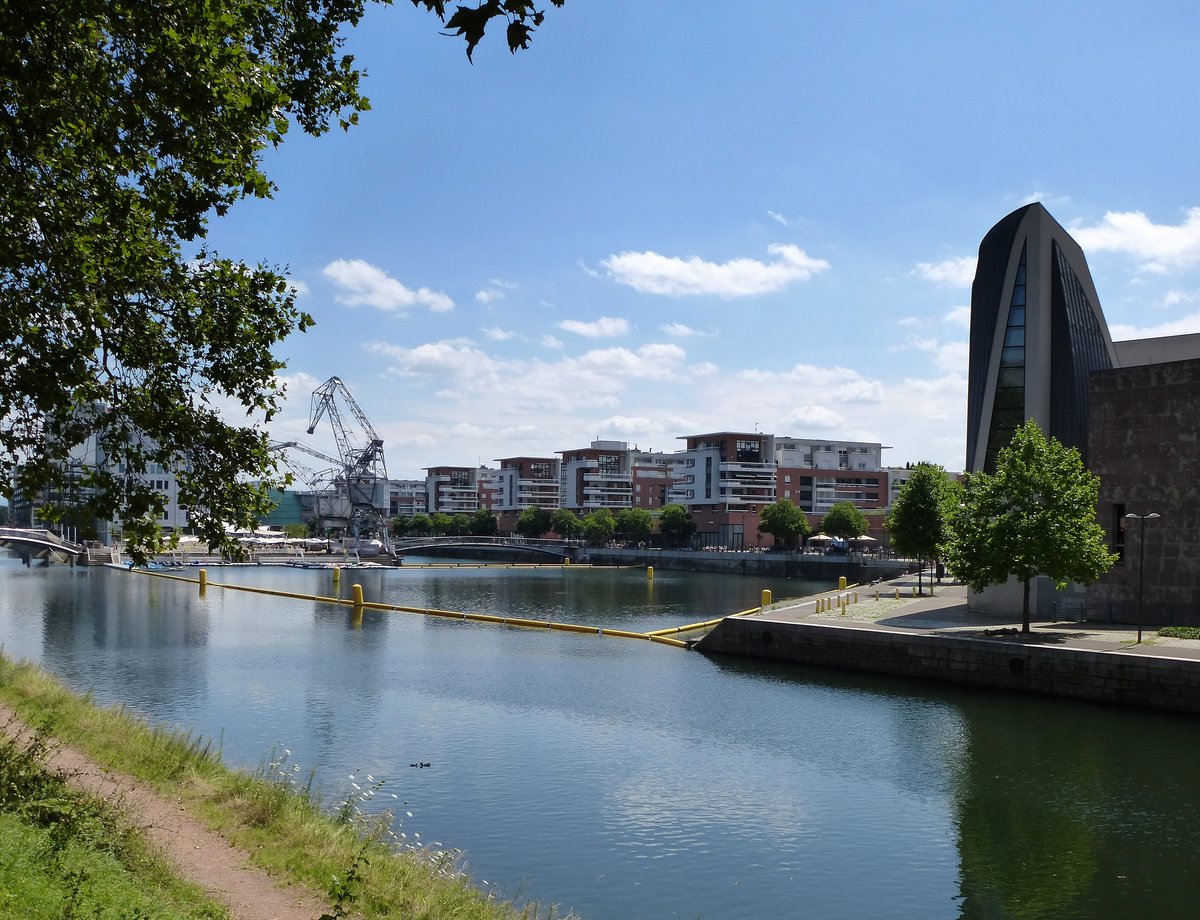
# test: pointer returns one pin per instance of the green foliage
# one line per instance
(127, 126)
(844, 520)
(784, 521)
(566, 524)
(919, 521)
(676, 525)
(599, 526)
(1180, 632)
(634, 525)
(460, 525)
(418, 525)
(533, 521)
(440, 523)
(471, 22)
(1036, 515)
(484, 523)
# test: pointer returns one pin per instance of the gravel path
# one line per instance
(197, 853)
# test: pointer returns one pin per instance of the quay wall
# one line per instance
(857, 569)
(1102, 676)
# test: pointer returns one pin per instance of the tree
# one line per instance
(634, 525)
(566, 524)
(784, 521)
(844, 520)
(599, 526)
(1036, 515)
(126, 126)
(440, 523)
(419, 525)
(533, 521)
(676, 525)
(918, 523)
(484, 523)
(460, 525)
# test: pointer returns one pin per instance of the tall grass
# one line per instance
(354, 856)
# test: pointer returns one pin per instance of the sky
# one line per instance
(675, 217)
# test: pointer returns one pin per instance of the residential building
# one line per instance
(724, 478)
(817, 474)
(406, 497)
(598, 476)
(452, 489)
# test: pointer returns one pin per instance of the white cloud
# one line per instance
(679, 330)
(652, 273)
(496, 334)
(489, 295)
(587, 269)
(300, 287)
(949, 273)
(914, 343)
(779, 218)
(551, 341)
(364, 284)
(810, 416)
(603, 328)
(959, 316)
(1157, 247)
(1175, 298)
(1185, 325)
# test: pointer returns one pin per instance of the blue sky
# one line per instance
(674, 217)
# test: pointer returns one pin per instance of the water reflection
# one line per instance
(626, 779)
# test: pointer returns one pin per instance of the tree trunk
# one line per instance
(1025, 607)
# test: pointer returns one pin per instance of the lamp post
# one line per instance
(1141, 562)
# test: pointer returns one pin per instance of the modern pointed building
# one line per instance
(1040, 349)
(1037, 334)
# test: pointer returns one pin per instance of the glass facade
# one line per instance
(1008, 408)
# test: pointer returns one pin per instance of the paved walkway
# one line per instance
(945, 613)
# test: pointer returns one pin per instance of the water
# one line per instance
(625, 779)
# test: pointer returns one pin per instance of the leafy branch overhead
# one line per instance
(521, 17)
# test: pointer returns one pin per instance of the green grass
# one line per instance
(64, 854)
(1180, 632)
(270, 813)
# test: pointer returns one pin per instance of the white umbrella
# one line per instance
(820, 538)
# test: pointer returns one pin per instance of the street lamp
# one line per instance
(1141, 562)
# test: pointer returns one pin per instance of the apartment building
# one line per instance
(452, 489)
(407, 497)
(817, 474)
(598, 476)
(724, 478)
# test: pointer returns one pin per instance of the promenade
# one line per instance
(944, 613)
(935, 637)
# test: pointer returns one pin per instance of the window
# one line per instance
(787, 478)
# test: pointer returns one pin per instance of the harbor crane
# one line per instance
(362, 478)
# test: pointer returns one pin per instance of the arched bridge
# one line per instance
(40, 544)
(487, 547)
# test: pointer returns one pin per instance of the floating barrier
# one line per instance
(358, 605)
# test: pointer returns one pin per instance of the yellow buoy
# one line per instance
(650, 573)
(766, 597)
(203, 582)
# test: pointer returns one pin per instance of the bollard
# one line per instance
(876, 594)
(203, 582)
(841, 582)
(856, 597)
(337, 575)
(566, 560)
(766, 597)
(897, 594)
(358, 597)
(650, 573)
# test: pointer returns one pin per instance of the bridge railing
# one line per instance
(39, 537)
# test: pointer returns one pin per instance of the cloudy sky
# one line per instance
(673, 217)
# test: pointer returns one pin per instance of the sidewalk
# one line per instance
(945, 613)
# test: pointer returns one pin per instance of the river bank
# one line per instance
(936, 637)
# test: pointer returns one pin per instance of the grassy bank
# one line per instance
(270, 813)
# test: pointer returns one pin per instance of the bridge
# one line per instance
(41, 544)
(487, 546)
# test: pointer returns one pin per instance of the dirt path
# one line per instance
(197, 853)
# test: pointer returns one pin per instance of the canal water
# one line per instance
(624, 779)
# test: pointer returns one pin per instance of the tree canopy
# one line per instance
(676, 525)
(784, 521)
(919, 521)
(844, 520)
(599, 526)
(126, 126)
(532, 522)
(564, 523)
(1036, 515)
(634, 525)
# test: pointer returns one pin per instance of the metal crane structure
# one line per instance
(362, 480)
(328, 507)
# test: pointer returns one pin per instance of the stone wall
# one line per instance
(1111, 677)
(1144, 444)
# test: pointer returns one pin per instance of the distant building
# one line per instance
(452, 490)
(724, 479)
(406, 497)
(597, 476)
